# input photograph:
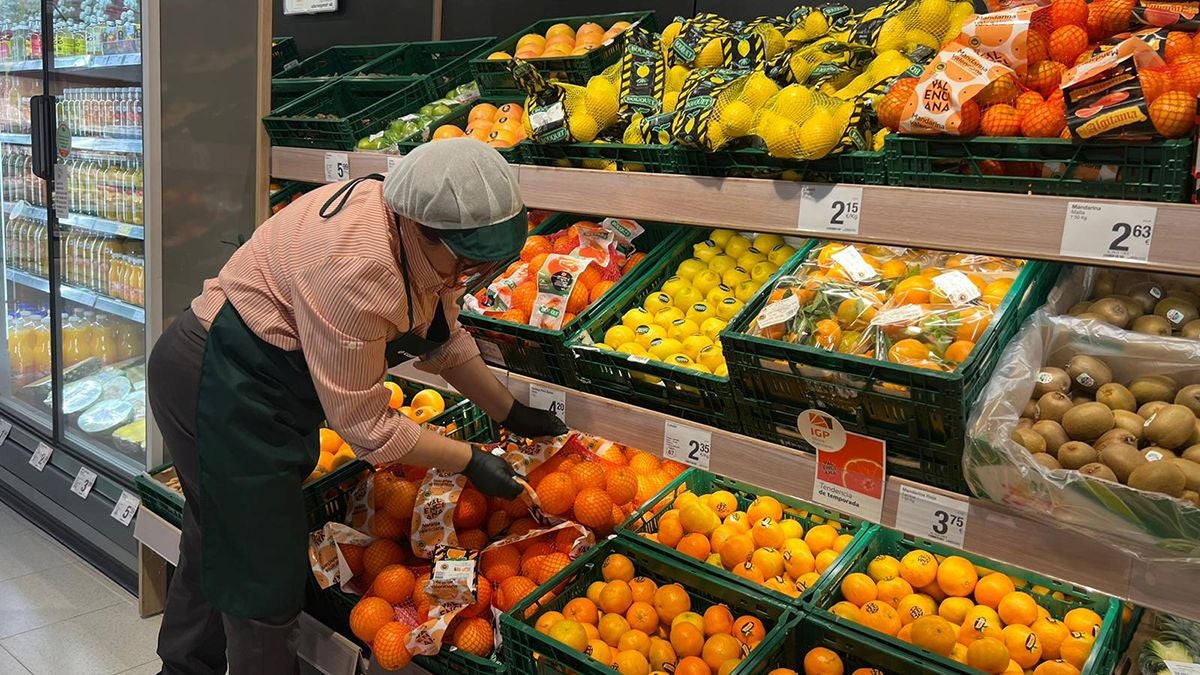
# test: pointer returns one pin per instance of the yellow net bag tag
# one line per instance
(643, 76)
(698, 104)
(694, 34)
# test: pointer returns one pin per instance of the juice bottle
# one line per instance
(102, 339)
(16, 346)
(72, 349)
(41, 354)
(139, 283)
(136, 211)
(91, 332)
(116, 286)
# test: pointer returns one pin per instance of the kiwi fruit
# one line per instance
(1171, 426)
(1181, 293)
(1116, 397)
(1152, 324)
(1191, 454)
(1112, 311)
(1090, 316)
(1155, 453)
(1189, 397)
(1131, 422)
(1132, 306)
(1074, 454)
(1147, 411)
(1164, 477)
(1147, 294)
(1030, 409)
(1029, 439)
(1195, 439)
(1115, 435)
(1191, 472)
(1051, 379)
(1053, 433)
(1089, 372)
(1122, 459)
(1098, 470)
(1178, 311)
(1087, 422)
(1191, 496)
(1078, 308)
(1025, 423)
(1105, 284)
(1079, 398)
(1053, 406)
(1191, 330)
(1153, 388)
(1047, 461)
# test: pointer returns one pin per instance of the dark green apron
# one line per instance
(257, 437)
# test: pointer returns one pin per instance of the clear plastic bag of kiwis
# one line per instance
(1118, 410)
(1152, 304)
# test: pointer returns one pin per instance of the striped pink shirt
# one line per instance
(334, 289)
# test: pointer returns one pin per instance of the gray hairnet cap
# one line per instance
(464, 189)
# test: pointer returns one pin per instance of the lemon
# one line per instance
(645, 334)
(762, 271)
(686, 297)
(732, 278)
(891, 36)
(818, 135)
(717, 295)
(636, 317)
(729, 308)
(736, 118)
(933, 16)
(681, 329)
(781, 254)
(632, 348)
(664, 347)
(794, 102)
(712, 327)
(699, 312)
(722, 263)
(703, 369)
(618, 335)
(675, 77)
(633, 134)
(584, 128)
(680, 359)
(602, 100)
(773, 38)
(746, 290)
(750, 258)
(758, 90)
(766, 242)
(816, 24)
(736, 246)
(603, 346)
(711, 356)
(720, 237)
(670, 33)
(688, 268)
(779, 134)
(880, 139)
(667, 316)
(712, 55)
(674, 284)
(721, 371)
(670, 101)
(694, 343)
(657, 301)
(706, 250)
(706, 280)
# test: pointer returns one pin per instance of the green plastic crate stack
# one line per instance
(283, 54)
(338, 114)
(528, 651)
(1055, 596)
(920, 413)
(305, 77)
(495, 79)
(645, 521)
(1148, 170)
(445, 63)
(543, 353)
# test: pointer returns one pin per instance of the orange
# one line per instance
(380, 554)
(1171, 115)
(880, 616)
(723, 503)
(512, 591)
(670, 601)
(557, 493)
(720, 648)
(470, 510)
(955, 610)
(617, 566)
(661, 654)
(798, 561)
(593, 508)
(487, 111)
(721, 535)
(447, 131)
(1083, 620)
(769, 561)
(992, 588)
(846, 610)
(582, 610)
(892, 591)
(1076, 648)
(956, 576)
(883, 567)
(612, 627)
(498, 564)
(642, 589)
(1050, 633)
(748, 630)
(822, 661)
(959, 350)
(1018, 607)
(631, 663)
(692, 665)
(765, 507)
(1000, 120)
(717, 619)
(391, 646)
(593, 591)
(915, 606)
(621, 483)
(570, 633)
(907, 350)
(429, 398)
(977, 626)
(748, 570)
(644, 463)
(642, 616)
(354, 557)
(694, 545)
(859, 589)
(368, 616)
(820, 538)
(386, 527)
(616, 597)
(988, 654)
(549, 565)
(474, 636)
(739, 520)
(935, 634)
(824, 559)
(394, 584)
(686, 639)
(736, 550)
(914, 290)
(1023, 645)
(1057, 667)
(587, 475)
(807, 581)
(767, 532)
(331, 441)
(600, 650)
(670, 531)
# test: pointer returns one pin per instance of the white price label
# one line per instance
(545, 398)
(852, 261)
(831, 208)
(779, 312)
(62, 190)
(393, 163)
(687, 444)
(84, 480)
(490, 351)
(41, 455)
(1113, 231)
(337, 166)
(1181, 668)
(5, 429)
(932, 516)
(126, 508)
(957, 287)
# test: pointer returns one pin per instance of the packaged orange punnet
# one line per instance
(943, 100)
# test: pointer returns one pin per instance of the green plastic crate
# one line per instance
(290, 189)
(528, 651)
(682, 392)
(889, 542)
(808, 631)
(446, 63)
(621, 156)
(541, 353)
(495, 79)
(1151, 170)
(458, 117)
(284, 91)
(645, 521)
(338, 60)
(159, 498)
(862, 167)
(283, 54)
(922, 414)
(336, 115)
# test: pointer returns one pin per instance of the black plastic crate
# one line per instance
(336, 115)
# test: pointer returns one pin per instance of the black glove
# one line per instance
(492, 475)
(533, 423)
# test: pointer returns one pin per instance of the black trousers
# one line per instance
(195, 637)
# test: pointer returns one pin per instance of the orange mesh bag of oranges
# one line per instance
(625, 610)
(501, 126)
(971, 611)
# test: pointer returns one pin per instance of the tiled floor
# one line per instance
(59, 616)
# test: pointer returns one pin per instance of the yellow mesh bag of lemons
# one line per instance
(913, 27)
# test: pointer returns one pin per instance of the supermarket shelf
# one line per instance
(85, 143)
(993, 530)
(90, 223)
(75, 63)
(79, 295)
(1024, 226)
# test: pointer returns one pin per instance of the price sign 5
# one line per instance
(125, 508)
(932, 515)
(687, 444)
(337, 166)
(1113, 231)
(831, 208)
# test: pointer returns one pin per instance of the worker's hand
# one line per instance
(491, 475)
(533, 423)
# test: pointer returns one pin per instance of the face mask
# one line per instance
(467, 275)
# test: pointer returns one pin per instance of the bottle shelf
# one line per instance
(132, 145)
(90, 223)
(87, 62)
(82, 296)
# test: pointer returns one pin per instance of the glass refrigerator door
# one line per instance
(25, 372)
(96, 76)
